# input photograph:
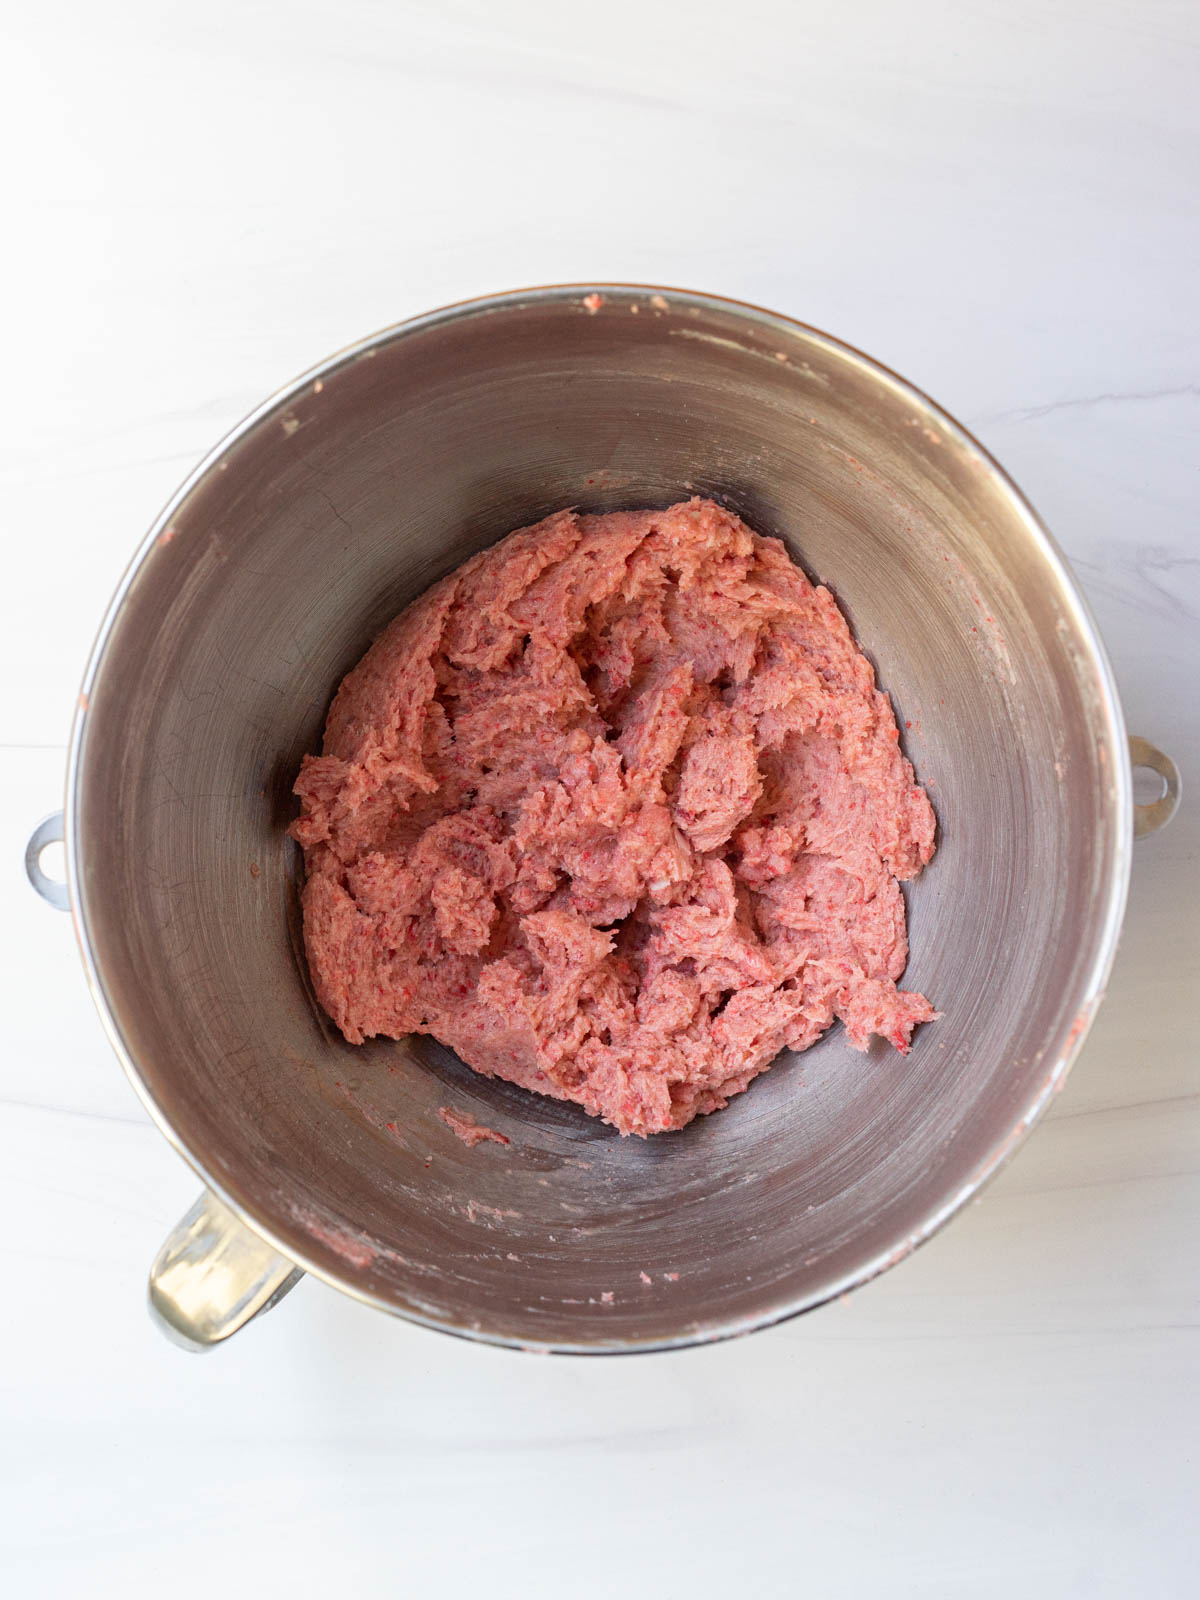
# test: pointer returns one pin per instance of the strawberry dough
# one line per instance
(463, 1126)
(617, 812)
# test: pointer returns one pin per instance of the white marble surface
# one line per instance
(1000, 200)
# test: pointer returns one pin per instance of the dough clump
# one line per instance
(617, 812)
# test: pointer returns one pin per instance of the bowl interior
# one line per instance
(320, 520)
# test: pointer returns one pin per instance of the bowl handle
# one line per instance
(213, 1275)
(1150, 818)
(48, 831)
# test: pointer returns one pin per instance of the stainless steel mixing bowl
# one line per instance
(293, 544)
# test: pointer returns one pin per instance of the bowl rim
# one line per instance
(1114, 895)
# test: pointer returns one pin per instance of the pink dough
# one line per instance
(617, 812)
(463, 1126)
